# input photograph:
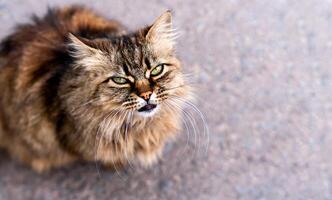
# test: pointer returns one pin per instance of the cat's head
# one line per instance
(137, 72)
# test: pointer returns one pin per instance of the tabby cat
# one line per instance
(77, 86)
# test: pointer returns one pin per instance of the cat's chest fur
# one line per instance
(121, 140)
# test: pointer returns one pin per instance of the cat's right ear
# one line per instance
(86, 53)
(80, 47)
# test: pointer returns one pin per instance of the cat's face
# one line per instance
(136, 72)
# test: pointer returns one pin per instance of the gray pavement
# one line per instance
(263, 73)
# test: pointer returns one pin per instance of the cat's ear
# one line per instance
(161, 32)
(87, 53)
(81, 48)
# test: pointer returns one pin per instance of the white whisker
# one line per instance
(200, 114)
(192, 123)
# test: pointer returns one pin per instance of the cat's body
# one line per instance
(60, 100)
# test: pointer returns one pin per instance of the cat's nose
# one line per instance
(146, 95)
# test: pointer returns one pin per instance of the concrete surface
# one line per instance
(263, 69)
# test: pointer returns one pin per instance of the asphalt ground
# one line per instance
(262, 70)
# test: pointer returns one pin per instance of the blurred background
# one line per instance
(263, 73)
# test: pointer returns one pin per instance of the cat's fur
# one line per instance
(58, 103)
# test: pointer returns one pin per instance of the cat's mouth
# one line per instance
(147, 108)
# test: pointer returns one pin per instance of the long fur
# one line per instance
(58, 103)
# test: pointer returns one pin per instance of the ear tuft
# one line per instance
(78, 48)
(86, 56)
(161, 31)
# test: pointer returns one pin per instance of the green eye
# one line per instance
(157, 70)
(119, 80)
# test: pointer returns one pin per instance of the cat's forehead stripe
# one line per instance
(147, 63)
(131, 56)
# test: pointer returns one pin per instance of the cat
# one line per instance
(77, 86)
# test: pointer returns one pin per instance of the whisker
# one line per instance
(123, 137)
(114, 164)
(74, 110)
(185, 124)
(198, 134)
(103, 127)
(200, 114)
(99, 138)
(126, 137)
(192, 123)
(172, 88)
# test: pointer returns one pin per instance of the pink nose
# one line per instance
(146, 95)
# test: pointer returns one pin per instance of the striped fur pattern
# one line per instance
(73, 83)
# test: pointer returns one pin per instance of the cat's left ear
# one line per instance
(161, 32)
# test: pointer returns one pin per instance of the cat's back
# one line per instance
(51, 31)
(35, 49)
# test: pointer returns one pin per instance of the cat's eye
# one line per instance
(157, 70)
(119, 80)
